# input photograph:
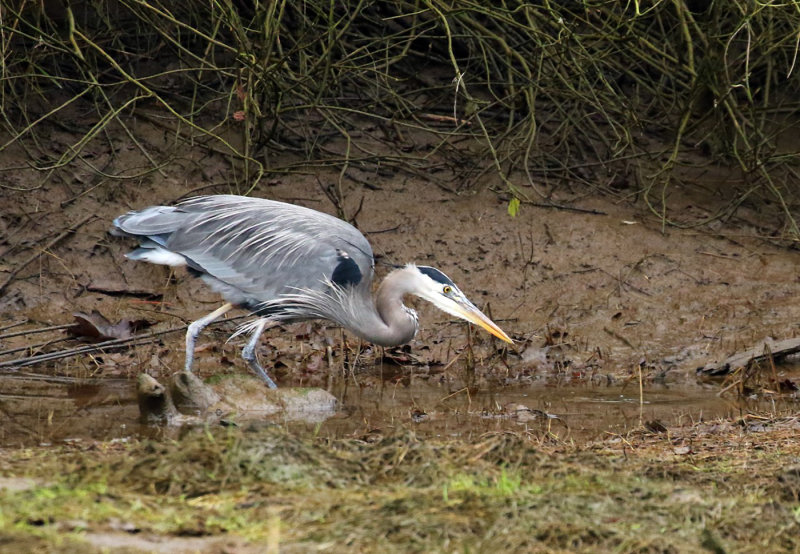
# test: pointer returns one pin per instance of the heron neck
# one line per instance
(400, 322)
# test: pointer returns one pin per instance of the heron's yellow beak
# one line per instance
(466, 310)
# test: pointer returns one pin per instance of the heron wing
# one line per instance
(259, 247)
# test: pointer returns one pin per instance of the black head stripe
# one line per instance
(435, 274)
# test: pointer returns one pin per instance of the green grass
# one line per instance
(404, 494)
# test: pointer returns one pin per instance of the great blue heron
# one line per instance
(288, 263)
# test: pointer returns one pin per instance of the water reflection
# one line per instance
(39, 409)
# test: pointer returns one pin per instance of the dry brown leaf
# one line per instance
(95, 327)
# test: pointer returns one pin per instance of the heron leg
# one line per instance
(249, 352)
(195, 328)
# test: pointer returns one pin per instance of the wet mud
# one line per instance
(596, 301)
(596, 407)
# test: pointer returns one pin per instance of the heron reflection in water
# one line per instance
(287, 263)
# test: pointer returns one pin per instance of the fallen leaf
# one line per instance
(95, 327)
(655, 426)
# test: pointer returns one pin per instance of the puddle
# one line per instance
(45, 410)
(40, 409)
(579, 412)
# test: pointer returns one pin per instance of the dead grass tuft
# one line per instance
(642, 492)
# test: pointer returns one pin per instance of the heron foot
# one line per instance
(191, 337)
(196, 327)
(249, 355)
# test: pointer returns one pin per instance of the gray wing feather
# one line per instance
(263, 248)
(154, 220)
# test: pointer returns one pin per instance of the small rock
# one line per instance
(191, 395)
(155, 405)
(228, 399)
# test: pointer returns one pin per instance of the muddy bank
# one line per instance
(586, 434)
(583, 295)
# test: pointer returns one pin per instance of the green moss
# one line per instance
(401, 494)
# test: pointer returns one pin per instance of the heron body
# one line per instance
(288, 263)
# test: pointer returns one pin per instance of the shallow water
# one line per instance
(580, 412)
(44, 410)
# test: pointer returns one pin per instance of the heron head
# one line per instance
(438, 289)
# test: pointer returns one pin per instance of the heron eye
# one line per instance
(447, 289)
